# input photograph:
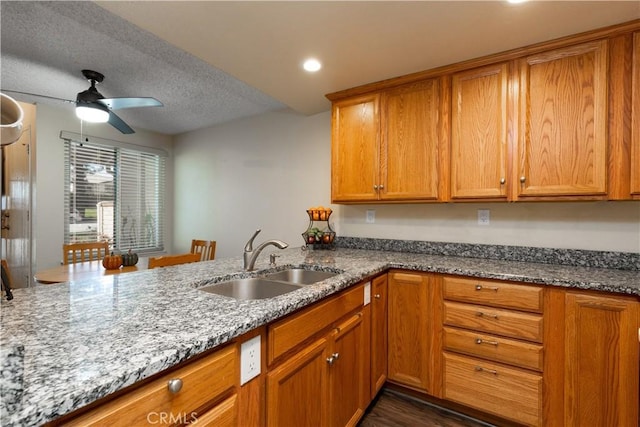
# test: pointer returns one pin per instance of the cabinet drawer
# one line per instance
(223, 415)
(508, 392)
(493, 293)
(202, 382)
(519, 353)
(493, 320)
(288, 333)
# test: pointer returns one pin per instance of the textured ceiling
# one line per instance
(213, 61)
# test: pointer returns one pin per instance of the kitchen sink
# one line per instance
(300, 276)
(272, 285)
(250, 288)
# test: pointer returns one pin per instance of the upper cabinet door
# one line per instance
(479, 133)
(563, 122)
(355, 149)
(635, 118)
(410, 145)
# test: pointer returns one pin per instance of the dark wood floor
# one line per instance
(395, 410)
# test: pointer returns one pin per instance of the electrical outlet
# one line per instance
(484, 216)
(371, 216)
(249, 359)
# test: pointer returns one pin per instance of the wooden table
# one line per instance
(84, 270)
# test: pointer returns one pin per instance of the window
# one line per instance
(114, 193)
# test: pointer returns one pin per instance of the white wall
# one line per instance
(264, 171)
(49, 187)
(261, 172)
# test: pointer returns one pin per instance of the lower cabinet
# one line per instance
(601, 360)
(379, 349)
(323, 381)
(203, 391)
(414, 346)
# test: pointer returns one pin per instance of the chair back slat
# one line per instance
(86, 251)
(206, 249)
(167, 260)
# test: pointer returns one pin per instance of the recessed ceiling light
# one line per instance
(312, 65)
(516, 1)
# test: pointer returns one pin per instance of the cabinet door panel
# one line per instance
(563, 128)
(408, 330)
(346, 373)
(297, 389)
(379, 334)
(601, 360)
(479, 133)
(635, 118)
(409, 154)
(355, 149)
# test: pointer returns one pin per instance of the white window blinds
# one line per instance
(115, 194)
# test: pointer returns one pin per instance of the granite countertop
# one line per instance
(67, 345)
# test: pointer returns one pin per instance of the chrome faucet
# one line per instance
(250, 255)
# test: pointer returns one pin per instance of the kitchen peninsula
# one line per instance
(78, 342)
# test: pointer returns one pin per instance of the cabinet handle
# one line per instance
(381, 187)
(174, 385)
(481, 341)
(502, 181)
(375, 187)
(377, 296)
(482, 314)
(490, 288)
(481, 369)
(332, 359)
(522, 179)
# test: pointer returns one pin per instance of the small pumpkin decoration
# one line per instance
(129, 259)
(112, 262)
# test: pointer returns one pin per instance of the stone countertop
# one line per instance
(67, 345)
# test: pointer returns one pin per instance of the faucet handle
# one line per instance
(272, 259)
(249, 246)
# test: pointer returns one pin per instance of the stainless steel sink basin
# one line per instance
(272, 285)
(300, 276)
(250, 288)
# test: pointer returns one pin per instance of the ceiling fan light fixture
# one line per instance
(93, 114)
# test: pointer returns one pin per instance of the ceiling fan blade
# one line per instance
(37, 95)
(118, 103)
(119, 124)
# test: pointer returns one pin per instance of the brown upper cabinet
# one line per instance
(355, 149)
(562, 138)
(635, 119)
(479, 133)
(378, 138)
(554, 121)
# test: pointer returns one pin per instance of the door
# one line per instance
(378, 334)
(635, 118)
(297, 393)
(16, 202)
(409, 164)
(563, 122)
(479, 133)
(601, 360)
(355, 149)
(408, 330)
(346, 373)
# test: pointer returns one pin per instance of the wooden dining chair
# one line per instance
(207, 249)
(167, 260)
(86, 251)
(5, 277)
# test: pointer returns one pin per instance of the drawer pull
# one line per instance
(377, 296)
(490, 371)
(481, 341)
(481, 314)
(174, 385)
(489, 288)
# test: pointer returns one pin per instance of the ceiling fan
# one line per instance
(91, 106)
